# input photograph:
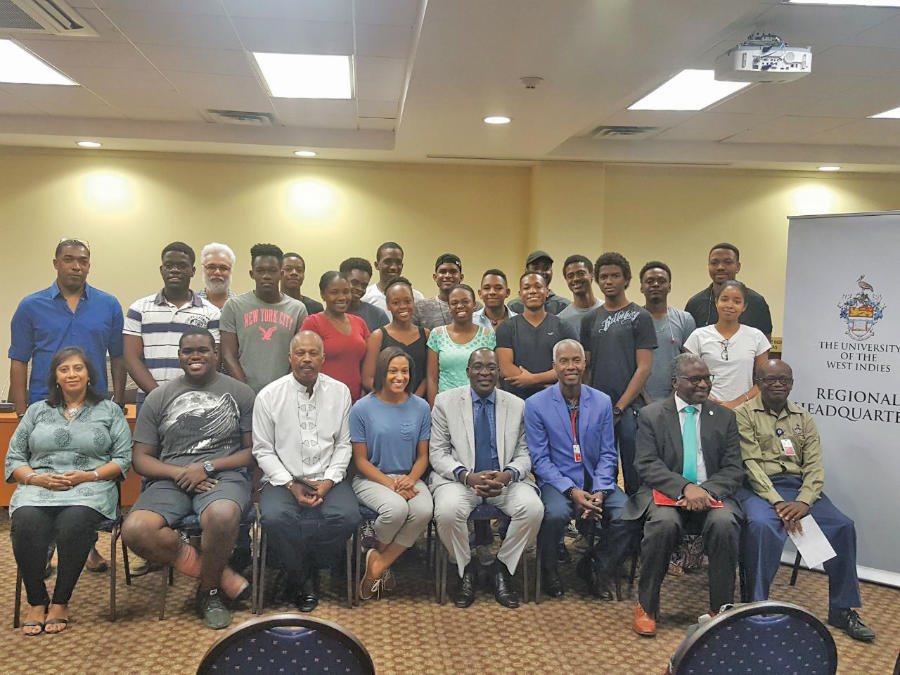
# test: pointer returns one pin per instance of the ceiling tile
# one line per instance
(161, 114)
(882, 34)
(393, 12)
(64, 101)
(786, 129)
(818, 26)
(170, 28)
(370, 108)
(708, 126)
(76, 52)
(762, 99)
(190, 60)
(213, 7)
(295, 37)
(220, 91)
(377, 123)
(128, 86)
(862, 132)
(307, 10)
(388, 41)
(378, 78)
(316, 113)
(10, 104)
(867, 61)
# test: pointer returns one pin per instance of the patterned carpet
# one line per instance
(409, 633)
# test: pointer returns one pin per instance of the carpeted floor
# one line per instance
(409, 633)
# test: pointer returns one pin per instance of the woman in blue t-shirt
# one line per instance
(389, 430)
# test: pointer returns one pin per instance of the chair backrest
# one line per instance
(760, 637)
(289, 642)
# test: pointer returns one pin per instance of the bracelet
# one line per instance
(289, 484)
(465, 478)
(29, 477)
(96, 475)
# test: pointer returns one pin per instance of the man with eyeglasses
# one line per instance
(569, 428)
(688, 457)
(479, 456)
(218, 262)
(782, 455)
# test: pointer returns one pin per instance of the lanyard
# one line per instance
(576, 446)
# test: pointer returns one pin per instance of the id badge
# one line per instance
(576, 452)
(787, 447)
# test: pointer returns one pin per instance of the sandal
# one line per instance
(35, 624)
(56, 622)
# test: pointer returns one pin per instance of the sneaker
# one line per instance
(849, 622)
(137, 565)
(213, 611)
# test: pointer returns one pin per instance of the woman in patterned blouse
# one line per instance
(66, 455)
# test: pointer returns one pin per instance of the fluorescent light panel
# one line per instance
(688, 90)
(306, 75)
(893, 113)
(830, 167)
(19, 66)
(861, 3)
(497, 119)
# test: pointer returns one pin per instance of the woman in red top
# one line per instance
(343, 334)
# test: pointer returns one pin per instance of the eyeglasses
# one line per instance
(212, 267)
(724, 344)
(484, 368)
(772, 380)
(697, 379)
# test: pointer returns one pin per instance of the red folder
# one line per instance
(661, 500)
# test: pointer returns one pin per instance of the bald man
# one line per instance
(782, 454)
(301, 441)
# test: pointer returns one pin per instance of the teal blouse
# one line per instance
(453, 358)
(49, 443)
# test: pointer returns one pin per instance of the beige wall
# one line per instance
(130, 206)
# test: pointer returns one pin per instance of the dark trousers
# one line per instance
(304, 538)
(559, 510)
(626, 437)
(34, 528)
(764, 538)
(663, 528)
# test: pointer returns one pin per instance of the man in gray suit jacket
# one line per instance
(478, 455)
(688, 450)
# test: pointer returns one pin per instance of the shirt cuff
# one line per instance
(457, 472)
(515, 473)
(334, 475)
(806, 496)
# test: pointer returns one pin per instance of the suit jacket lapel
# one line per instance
(465, 403)
(585, 410)
(500, 410)
(707, 419)
(562, 411)
(673, 425)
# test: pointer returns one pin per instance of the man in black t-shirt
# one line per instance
(525, 342)
(619, 339)
(724, 264)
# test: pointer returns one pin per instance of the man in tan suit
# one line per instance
(479, 455)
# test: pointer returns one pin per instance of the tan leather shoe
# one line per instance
(643, 623)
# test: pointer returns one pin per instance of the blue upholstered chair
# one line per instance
(289, 643)
(761, 637)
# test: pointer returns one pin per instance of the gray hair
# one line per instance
(682, 360)
(565, 343)
(216, 247)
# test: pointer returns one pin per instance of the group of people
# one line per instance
(418, 409)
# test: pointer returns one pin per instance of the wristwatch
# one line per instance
(617, 411)
(209, 468)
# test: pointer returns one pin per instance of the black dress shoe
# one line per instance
(465, 596)
(597, 582)
(504, 592)
(848, 621)
(308, 597)
(552, 584)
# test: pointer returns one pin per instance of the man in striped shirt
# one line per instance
(154, 324)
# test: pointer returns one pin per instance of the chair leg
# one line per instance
(349, 574)
(524, 563)
(166, 580)
(263, 546)
(126, 563)
(537, 575)
(796, 569)
(357, 549)
(429, 544)
(254, 565)
(114, 535)
(445, 563)
(18, 604)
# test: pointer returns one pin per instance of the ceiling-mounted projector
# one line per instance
(764, 57)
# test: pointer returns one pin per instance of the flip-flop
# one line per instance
(29, 624)
(56, 622)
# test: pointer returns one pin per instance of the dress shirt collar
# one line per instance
(790, 408)
(492, 397)
(679, 405)
(317, 387)
(56, 292)
(160, 299)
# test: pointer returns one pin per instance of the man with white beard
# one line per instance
(217, 261)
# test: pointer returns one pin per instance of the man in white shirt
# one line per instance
(301, 441)
(389, 265)
(688, 450)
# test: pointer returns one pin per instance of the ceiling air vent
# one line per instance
(53, 17)
(241, 117)
(622, 133)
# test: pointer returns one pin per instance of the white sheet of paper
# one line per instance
(812, 544)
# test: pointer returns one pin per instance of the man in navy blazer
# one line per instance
(569, 429)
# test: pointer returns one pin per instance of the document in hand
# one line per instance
(812, 544)
(661, 500)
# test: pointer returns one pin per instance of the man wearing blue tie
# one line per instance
(569, 428)
(688, 450)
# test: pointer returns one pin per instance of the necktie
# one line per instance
(484, 460)
(689, 444)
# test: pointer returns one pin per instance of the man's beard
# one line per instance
(216, 286)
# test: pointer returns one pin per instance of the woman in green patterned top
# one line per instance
(66, 455)
(449, 346)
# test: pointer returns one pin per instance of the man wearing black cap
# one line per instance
(435, 311)
(541, 263)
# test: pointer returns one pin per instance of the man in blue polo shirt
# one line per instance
(68, 313)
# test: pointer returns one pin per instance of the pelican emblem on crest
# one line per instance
(861, 310)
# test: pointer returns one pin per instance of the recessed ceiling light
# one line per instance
(829, 168)
(863, 3)
(19, 66)
(497, 119)
(304, 153)
(88, 144)
(688, 90)
(892, 114)
(305, 75)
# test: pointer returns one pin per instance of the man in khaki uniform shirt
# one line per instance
(782, 454)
